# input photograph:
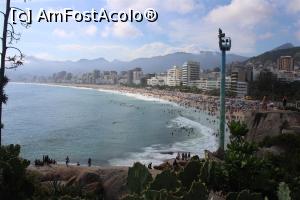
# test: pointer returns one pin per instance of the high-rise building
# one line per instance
(190, 72)
(285, 63)
(239, 79)
(134, 76)
(174, 76)
(137, 75)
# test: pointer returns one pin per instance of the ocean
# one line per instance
(111, 128)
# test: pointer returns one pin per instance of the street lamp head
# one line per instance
(221, 34)
(224, 42)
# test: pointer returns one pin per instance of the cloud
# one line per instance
(265, 36)
(293, 6)
(182, 6)
(44, 56)
(71, 47)
(242, 13)
(178, 6)
(62, 33)
(121, 30)
(239, 20)
(91, 30)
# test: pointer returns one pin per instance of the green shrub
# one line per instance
(14, 183)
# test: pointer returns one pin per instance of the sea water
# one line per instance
(111, 128)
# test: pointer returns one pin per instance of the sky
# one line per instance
(255, 26)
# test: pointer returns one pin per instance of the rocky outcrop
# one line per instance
(271, 123)
(110, 181)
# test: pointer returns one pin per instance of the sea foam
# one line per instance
(157, 154)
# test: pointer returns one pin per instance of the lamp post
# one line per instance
(225, 45)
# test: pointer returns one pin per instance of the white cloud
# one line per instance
(293, 6)
(265, 36)
(71, 47)
(239, 20)
(121, 30)
(91, 30)
(62, 33)
(44, 56)
(241, 13)
(179, 6)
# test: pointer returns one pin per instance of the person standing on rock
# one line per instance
(284, 102)
(89, 162)
(67, 161)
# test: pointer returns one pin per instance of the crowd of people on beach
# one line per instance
(45, 161)
(235, 107)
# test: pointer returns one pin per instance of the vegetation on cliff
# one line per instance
(240, 173)
(17, 184)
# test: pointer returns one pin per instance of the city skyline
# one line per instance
(183, 26)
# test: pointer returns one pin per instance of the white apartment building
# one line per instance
(174, 76)
(210, 84)
(158, 80)
(190, 72)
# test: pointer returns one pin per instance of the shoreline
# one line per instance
(236, 108)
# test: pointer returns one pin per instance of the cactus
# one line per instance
(246, 195)
(159, 195)
(138, 178)
(283, 192)
(190, 173)
(132, 197)
(207, 171)
(165, 180)
(197, 191)
(232, 196)
(196, 157)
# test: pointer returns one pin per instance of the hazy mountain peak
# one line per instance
(284, 46)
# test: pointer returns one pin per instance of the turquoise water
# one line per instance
(110, 128)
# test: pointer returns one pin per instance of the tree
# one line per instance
(9, 36)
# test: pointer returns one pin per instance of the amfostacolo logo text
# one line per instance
(68, 15)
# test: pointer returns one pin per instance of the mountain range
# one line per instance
(36, 66)
(208, 59)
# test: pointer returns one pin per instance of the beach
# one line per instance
(235, 107)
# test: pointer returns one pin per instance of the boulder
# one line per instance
(270, 123)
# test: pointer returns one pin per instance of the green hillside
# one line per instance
(275, 54)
